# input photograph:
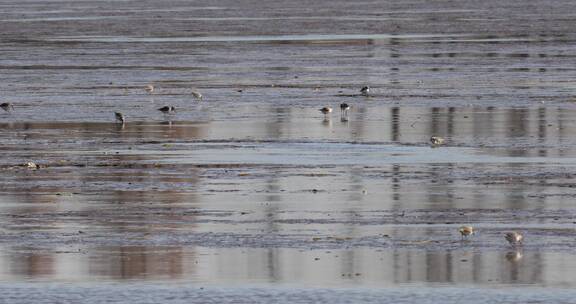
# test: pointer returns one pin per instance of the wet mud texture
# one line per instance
(252, 184)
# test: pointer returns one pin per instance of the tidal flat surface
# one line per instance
(251, 195)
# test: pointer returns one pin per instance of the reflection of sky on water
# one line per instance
(371, 181)
(253, 185)
(329, 268)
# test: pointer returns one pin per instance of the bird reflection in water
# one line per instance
(514, 256)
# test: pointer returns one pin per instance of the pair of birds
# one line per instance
(513, 238)
(121, 118)
(344, 107)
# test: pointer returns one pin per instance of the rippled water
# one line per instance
(251, 192)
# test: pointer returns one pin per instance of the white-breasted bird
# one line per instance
(149, 88)
(326, 110)
(437, 140)
(514, 238)
(466, 231)
(197, 95)
(167, 109)
(120, 117)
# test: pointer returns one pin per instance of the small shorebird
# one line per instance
(514, 238)
(149, 88)
(466, 231)
(197, 95)
(437, 140)
(120, 117)
(326, 111)
(344, 107)
(365, 90)
(6, 106)
(167, 109)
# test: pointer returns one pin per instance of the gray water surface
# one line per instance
(252, 194)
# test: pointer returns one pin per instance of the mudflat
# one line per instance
(250, 192)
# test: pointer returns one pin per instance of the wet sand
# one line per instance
(252, 193)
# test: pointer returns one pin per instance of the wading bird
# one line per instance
(197, 95)
(466, 231)
(326, 111)
(437, 140)
(120, 117)
(149, 88)
(365, 90)
(514, 238)
(344, 107)
(6, 106)
(167, 109)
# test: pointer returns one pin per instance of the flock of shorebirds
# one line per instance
(435, 141)
(344, 107)
(514, 238)
(121, 118)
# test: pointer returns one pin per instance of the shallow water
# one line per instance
(146, 293)
(251, 192)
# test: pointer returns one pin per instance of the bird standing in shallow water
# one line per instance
(344, 107)
(6, 106)
(326, 111)
(437, 140)
(167, 109)
(365, 90)
(149, 88)
(466, 231)
(197, 95)
(120, 117)
(514, 238)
